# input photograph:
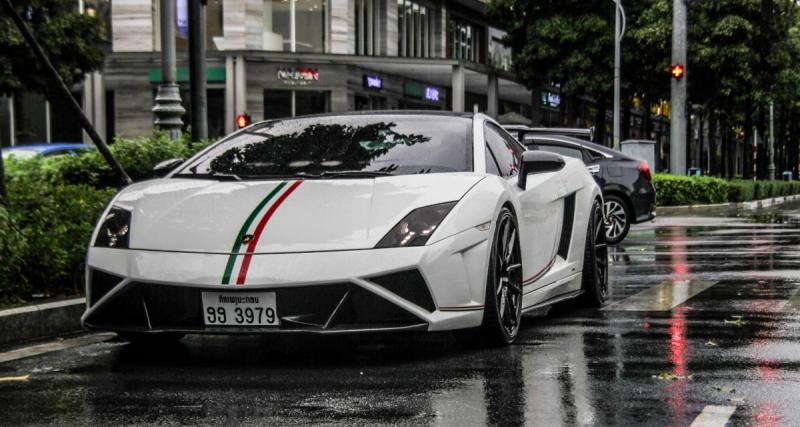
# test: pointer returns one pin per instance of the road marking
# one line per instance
(50, 347)
(663, 297)
(793, 304)
(714, 416)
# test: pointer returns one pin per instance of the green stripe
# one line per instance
(238, 243)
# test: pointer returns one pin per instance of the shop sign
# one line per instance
(373, 82)
(416, 90)
(297, 76)
(550, 99)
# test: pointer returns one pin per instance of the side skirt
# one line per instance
(566, 288)
(555, 300)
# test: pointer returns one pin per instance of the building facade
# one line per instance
(283, 58)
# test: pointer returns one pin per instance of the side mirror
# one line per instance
(163, 168)
(538, 162)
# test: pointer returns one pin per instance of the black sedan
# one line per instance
(629, 195)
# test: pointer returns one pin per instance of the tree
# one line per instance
(71, 41)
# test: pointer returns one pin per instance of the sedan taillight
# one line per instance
(644, 169)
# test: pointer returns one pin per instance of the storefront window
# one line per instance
(294, 25)
(465, 40)
(368, 33)
(415, 23)
(281, 103)
(30, 119)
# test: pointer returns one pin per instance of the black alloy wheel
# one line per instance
(618, 219)
(503, 306)
(595, 260)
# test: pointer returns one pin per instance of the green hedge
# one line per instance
(52, 208)
(674, 190)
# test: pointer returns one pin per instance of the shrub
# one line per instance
(674, 190)
(137, 156)
(13, 251)
(741, 190)
(56, 223)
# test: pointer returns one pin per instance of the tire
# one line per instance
(502, 313)
(147, 339)
(618, 219)
(594, 277)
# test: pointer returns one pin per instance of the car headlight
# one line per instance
(115, 229)
(416, 227)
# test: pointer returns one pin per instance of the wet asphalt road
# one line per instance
(704, 311)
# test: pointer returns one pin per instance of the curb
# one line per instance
(723, 207)
(41, 321)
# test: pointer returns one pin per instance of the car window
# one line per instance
(491, 163)
(575, 153)
(55, 153)
(506, 151)
(19, 153)
(398, 144)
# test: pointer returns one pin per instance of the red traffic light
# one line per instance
(677, 71)
(243, 120)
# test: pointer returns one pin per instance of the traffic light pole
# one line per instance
(678, 117)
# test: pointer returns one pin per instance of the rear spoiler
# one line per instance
(521, 131)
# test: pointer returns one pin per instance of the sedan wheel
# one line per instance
(617, 219)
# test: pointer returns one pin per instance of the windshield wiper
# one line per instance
(217, 176)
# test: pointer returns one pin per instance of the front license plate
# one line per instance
(240, 309)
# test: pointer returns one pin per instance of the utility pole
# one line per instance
(771, 144)
(678, 119)
(168, 108)
(619, 31)
(197, 69)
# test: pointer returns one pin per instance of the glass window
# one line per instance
(101, 9)
(277, 104)
(499, 53)
(386, 143)
(30, 118)
(367, 27)
(65, 125)
(308, 25)
(283, 103)
(575, 153)
(506, 151)
(415, 26)
(465, 40)
(491, 163)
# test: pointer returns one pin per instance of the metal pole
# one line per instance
(197, 69)
(168, 108)
(678, 122)
(771, 145)
(61, 87)
(618, 32)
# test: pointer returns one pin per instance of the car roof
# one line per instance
(46, 148)
(583, 143)
(375, 113)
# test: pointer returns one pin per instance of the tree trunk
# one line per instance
(600, 122)
(712, 143)
(3, 192)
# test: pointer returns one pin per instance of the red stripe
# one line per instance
(259, 229)
(541, 273)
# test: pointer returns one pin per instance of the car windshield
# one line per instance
(19, 153)
(347, 145)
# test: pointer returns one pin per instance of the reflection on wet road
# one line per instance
(702, 329)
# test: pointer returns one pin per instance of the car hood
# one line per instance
(279, 216)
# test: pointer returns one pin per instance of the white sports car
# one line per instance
(344, 223)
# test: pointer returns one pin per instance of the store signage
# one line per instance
(297, 76)
(416, 90)
(431, 93)
(550, 99)
(373, 82)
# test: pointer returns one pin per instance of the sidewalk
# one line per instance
(723, 207)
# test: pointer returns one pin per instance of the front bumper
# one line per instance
(436, 287)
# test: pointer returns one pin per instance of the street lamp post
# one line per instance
(168, 108)
(619, 31)
(771, 143)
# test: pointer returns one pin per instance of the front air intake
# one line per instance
(409, 285)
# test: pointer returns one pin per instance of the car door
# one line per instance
(542, 206)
